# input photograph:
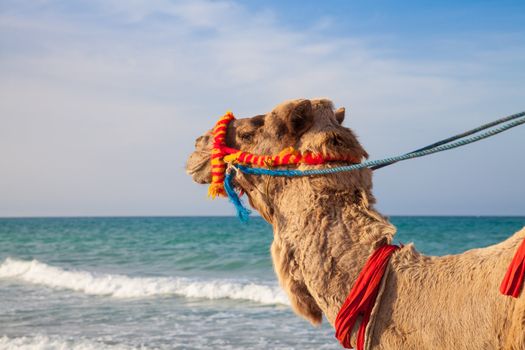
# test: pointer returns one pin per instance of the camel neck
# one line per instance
(330, 245)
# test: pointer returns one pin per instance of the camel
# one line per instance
(326, 227)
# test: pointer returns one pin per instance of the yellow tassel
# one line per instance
(216, 190)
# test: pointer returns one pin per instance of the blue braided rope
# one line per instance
(517, 119)
(462, 135)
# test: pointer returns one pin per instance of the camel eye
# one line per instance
(246, 136)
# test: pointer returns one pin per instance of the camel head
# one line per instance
(306, 125)
(309, 126)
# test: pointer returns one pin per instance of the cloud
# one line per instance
(102, 100)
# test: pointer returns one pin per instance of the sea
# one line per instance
(173, 282)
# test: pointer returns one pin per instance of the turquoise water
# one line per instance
(178, 282)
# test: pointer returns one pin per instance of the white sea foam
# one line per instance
(121, 286)
(43, 342)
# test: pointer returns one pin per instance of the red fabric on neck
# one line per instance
(362, 297)
(513, 280)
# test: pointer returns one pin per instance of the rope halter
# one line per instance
(221, 155)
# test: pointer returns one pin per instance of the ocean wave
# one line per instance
(122, 286)
(43, 342)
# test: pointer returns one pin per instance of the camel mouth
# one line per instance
(198, 163)
(197, 167)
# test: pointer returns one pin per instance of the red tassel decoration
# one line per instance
(362, 297)
(513, 281)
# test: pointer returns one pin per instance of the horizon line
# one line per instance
(234, 216)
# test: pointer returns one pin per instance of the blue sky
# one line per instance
(102, 100)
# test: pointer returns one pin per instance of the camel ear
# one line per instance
(301, 117)
(340, 115)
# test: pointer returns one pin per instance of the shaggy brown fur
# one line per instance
(326, 227)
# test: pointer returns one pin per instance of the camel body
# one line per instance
(447, 302)
(325, 228)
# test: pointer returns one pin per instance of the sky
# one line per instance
(101, 100)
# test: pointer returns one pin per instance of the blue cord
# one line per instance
(462, 135)
(242, 212)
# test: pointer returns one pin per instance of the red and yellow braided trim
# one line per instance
(221, 155)
(288, 156)
(218, 166)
